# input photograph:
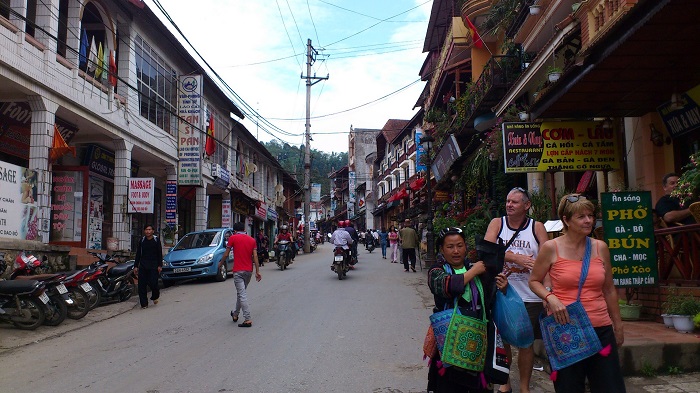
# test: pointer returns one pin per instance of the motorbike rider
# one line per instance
(262, 243)
(286, 235)
(349, 227)
(342, 238)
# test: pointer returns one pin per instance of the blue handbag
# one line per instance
(569, 343)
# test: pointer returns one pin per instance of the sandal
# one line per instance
(246, 324)
(234, 317)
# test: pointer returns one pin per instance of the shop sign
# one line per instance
(189, 108)
(171, 203)
(66, 206)
(221, 176)
(18, 208)
(226, 213)
(261, 210)
(449, 153)
(442, 196)
(141, 192)
(629, 233)
(352, 184)
(100, 162)
(240, 206)
(682, 116)
(16, 117)
(272, 213)
(559, 146)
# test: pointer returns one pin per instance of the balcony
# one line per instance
(455, 49)
(678, 254)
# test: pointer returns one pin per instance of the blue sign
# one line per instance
(420, 152)
(171, 202)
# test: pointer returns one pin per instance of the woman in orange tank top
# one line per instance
(562, 259)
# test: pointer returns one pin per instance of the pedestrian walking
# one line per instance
(245, 257)
(409, 241)
(523, 236)
(383, 241)
(394, 244)
(148, 265)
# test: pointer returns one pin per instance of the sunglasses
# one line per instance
(524, 191)
(573, 198)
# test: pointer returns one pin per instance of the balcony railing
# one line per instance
(679, 247)
(498, 76)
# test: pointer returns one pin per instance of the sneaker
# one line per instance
(234, 317)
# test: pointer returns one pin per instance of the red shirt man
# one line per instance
(243, 247)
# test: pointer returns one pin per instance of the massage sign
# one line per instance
(559, 146)
(629, 234)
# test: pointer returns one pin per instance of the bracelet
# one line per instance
(548, 295)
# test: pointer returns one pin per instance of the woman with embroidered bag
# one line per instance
(582, 294)
(454, 280)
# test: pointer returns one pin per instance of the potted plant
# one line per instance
(628, 310)
(688, 188)
(553, 73)
(671, 307)
(688, 307)
(168, 233)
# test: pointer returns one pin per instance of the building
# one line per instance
(362, 142)
(151, 137)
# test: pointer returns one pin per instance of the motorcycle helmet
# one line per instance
(341, 224)
(348, 223)
(283, 228)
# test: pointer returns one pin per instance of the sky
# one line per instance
(371, 52)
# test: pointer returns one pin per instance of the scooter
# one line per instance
(116, 283)
(56, 309)
(370, 246)
(22, 302)
(283, 253)
(263, 256)
(340, 262)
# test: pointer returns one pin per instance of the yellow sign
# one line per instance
(559, 146)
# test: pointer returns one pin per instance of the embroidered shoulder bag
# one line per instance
(465, 341)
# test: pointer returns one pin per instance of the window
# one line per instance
(31, 18)
(406, 172)
(220, 134)
(5, 8)
(398, 178)
(157, 86)
(61, 47)
(388, 182)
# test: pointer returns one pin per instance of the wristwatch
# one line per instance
(548, 289)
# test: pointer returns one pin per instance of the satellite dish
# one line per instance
(279, 188)
(282, 198)
(253, 168)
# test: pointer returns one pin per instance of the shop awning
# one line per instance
(417, 184)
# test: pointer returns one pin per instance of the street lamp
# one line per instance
(427, 143)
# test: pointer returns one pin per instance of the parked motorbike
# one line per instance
(26, 267)
(284, 251)
(312, 245)
(340, 262)
(22, 302)
(115, 283)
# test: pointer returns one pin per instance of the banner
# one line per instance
(629, 233)
(420, 152)
(315, 192)
(141, 192)
(449, 153)
(189, 108)
(18, 209)
(352, 184)
(226, 213)
(559, 146)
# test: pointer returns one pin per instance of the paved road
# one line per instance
(311, 333)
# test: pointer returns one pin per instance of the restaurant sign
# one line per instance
(559, 146)
(629, 233)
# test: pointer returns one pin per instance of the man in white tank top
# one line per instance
(519, 260)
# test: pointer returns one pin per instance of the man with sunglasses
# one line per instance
(527, 235)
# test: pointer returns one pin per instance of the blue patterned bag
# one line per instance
(569, 343)
(440, 321)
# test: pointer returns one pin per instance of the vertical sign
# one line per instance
(141, 192)
(420, 152)
(226, 213)
(171, 203)
(351, 200)
(18, 210)
(315, 192)
(629, 233)
(190, 135)
(95, 213)
(66, 206)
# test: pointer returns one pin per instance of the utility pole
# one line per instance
(310, 81)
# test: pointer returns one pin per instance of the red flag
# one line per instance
(59, 146)
(112, 70)
(210, 146)
(478, 42)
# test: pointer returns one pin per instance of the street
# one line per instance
(311, 333)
